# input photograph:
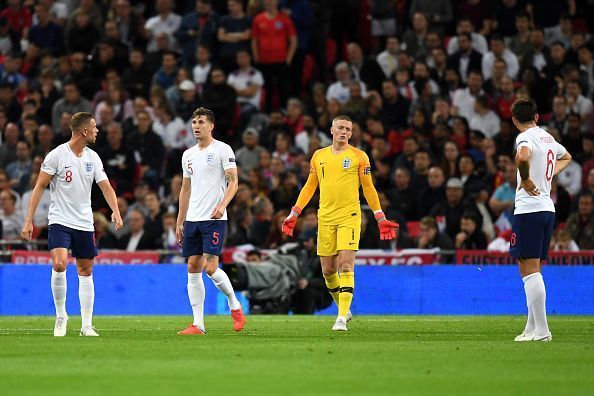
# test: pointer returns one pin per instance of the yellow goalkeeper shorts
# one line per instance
(332, 238)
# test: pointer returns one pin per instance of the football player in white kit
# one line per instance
(539, 158)
(209, 184)
(70, 169)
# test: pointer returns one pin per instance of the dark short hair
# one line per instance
(79, 120)
(202, 111)
(524, 110)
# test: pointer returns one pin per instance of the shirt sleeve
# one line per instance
(50, 163)
(369, 191)
(228, 158)
(100, 174)
(524, 141)
(561, 150)
(185, 166)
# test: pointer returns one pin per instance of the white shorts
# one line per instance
(383, 27)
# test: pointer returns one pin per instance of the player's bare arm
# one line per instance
(523, 162)
(42, 181)
(562, 163)
(184, 202)
(112, 201)
(232, 185)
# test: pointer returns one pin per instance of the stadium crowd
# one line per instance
(429, 84)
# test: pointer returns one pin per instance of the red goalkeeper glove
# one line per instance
(388, 229)
(291, 221)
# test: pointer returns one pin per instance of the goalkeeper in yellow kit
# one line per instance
(339, 170)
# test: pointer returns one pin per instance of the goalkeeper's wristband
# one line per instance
(379, 216)
(296, 211)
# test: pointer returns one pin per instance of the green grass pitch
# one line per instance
(297, 355)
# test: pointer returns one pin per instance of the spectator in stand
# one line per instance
(503, 200)
(572, 138)
(138, 238)
(395, 107)
(453, 208)
(247, 82)
(434, 193)
(187, 102)
(46, 34)
(234, 35)
(20, 170)
(414, 39)
(478, 41)
(571, 178)
(10, 70)
(171, 201)
(118, 160)
(562, 242)
(520, 44)
(365, 70)
(166, 75)
(137, 78)
(83, 35)
(130, 25)
(420, 173)
(72, 102)
(198, 27)
(506, 95)
(578, 103)
(11, 217)
(221, 99)
(580, 224)
(484, 119)
(438, 12)
(248, 156)
(274, 43)
(9, 102)
(388, 59)
(492, 86)
(241, 228)
(499, 50)
(166, 21)
(294, 117)
(340, 90)
(468, 175)
(470, 237)
(18, 15)
(153, 224)
(45, 138)
(148, 148)
(403, 196)
(8, 146)
(302, 16)
(430, 237)
(104, 239)
(464, 98)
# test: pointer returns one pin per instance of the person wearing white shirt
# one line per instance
(498, 50)
(172, 129)
(484, 119)
(247, 82)
(571, 178)
(539, 158)
(464, 98)
(388, 59)
(578, 103)
(11, 217)
(208, 186)
(340, 90)
(202, 69)
(478, 41)
(71, 168)
(165, 22)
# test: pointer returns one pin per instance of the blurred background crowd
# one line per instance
(428, 82)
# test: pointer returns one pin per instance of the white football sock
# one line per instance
(222, 282)
(536, 296)
(59, 286)
(86, 295)
(196, 294)
(529, 328)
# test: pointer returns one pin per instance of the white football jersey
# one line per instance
(70, 187)
(206, 170)
(545, 151)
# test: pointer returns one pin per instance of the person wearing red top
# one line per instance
(19, 17)
(274, 42)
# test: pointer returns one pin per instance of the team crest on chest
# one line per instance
(88, 167)
(346, 163)
(210, 158)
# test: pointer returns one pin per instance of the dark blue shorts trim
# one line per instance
(531, 235)
(82, 243)
(204, 237)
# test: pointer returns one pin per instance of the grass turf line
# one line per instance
(297, 355)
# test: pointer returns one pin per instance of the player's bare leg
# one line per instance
(346, 266)
(222, 282)
(86, 295)
(537, 328)
(59, 286)
(196, 293)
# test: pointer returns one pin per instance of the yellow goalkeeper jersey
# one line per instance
(339, 177)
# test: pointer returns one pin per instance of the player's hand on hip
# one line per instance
(179, 234)
(27, 231)
(388, 230)
(530, 187)
(117, 219)
(218, 211)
